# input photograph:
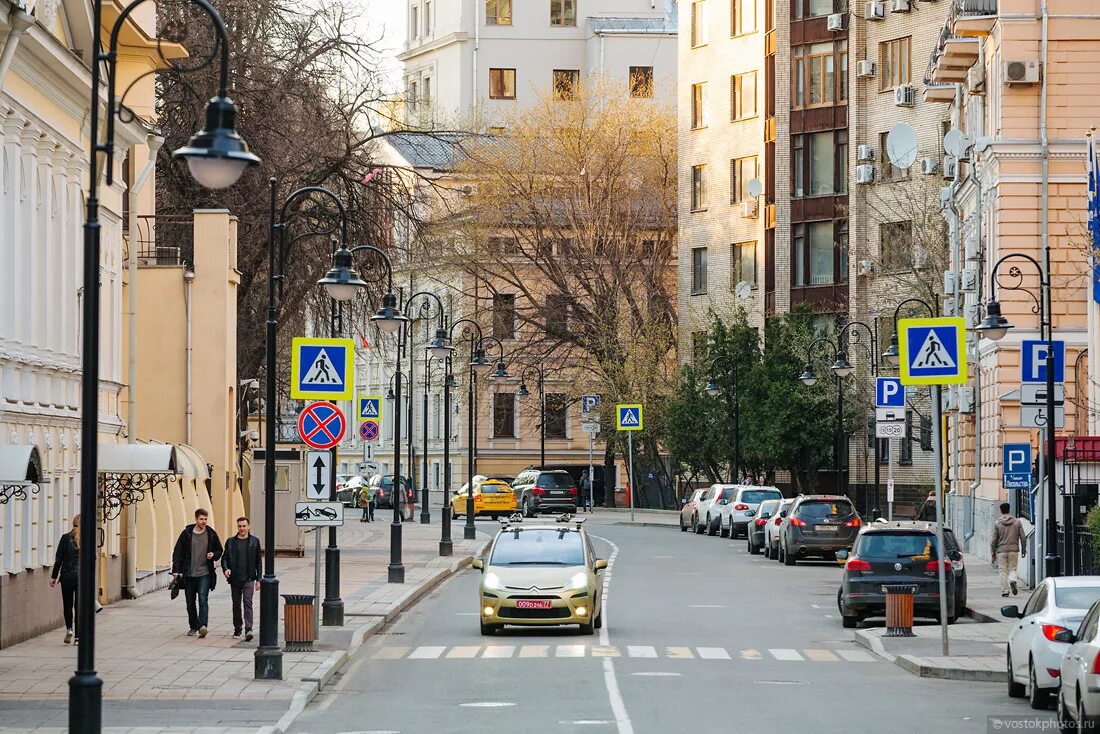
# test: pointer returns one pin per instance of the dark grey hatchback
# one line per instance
(900, 553)
(818, 525)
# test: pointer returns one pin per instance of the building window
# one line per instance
(698, 187)
(743, 96)
(504, 315)
(698, 23)
(812, 8)
(504, 415)
(414, 21)
(556, 415)
(698, 346)
(504, 245)
(743, 16)
(641, 81)
(896, 245)
(698, 105)
(412, 97)
(813, 246)
(744, 264)
(426, 93)
(841, 236)
(427, 18)
(819, 74)
(557, 316)
(566, 82)
(563, 12)
(498, 12)
(823, 169)
(502, 83)
(742, 170)
(894, 63)
(698, 270)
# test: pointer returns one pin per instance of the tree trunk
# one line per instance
(609, 474)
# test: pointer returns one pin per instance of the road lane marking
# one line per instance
(587, 722)
(623, 724)
(856, 656)
(786, 654)
(394, 652)
(486, 704)
(707, 606)
(750, 655)
(534, 651)
(426, 652)
(605, 651)
(821, 656)
(569, 651)
(464, 651)
(713, 653)
(641, 651)
(680, 653)
(656, 674)
(498, 651)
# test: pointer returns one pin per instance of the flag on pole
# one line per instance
(1093, 300)
(1094, 215)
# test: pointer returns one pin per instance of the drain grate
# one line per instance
(389, 634)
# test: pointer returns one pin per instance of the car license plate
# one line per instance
(532, 604)
(825, 528)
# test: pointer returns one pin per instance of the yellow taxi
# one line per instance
(542, 573)
(491, 497)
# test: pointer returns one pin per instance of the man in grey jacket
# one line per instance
(1007, 547)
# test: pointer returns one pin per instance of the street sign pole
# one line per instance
(316, 582)
(937, 454)
(590, 500)
(890, 480)
(630, 470)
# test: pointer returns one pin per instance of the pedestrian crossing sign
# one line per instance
(322, 369)
(370, 407)
(933, 351)
(629, 417)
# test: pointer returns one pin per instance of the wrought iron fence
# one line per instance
(1079, 551)
(165, 240)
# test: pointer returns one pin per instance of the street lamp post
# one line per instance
(843, 368)
(446, 545)
(734, 399)
(523, 393)
(994, 327)
(809, 377)
(216, 157)
(478, 365)
(425, 514)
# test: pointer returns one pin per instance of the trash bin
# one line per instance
(298, 622)
(899, 610)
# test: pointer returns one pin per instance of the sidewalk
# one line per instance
(977, 644)
(154, 675)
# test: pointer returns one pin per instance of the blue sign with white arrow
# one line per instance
(1016, 469)
(889, 393)
(1033, 361)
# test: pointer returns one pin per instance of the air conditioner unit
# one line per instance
(836, 22)
(865, 174)
(928, 166)
(968, 280)
(865, 68)
(949, 282)
(866, 267)
(1021, 72)
(750, 208)
(949, 166)
(875, 10)
(972, 315)
(975, 78)
(901, 6)
(865, 153)
(904, 96)
(966, 399)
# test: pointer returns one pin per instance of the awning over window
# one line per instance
(20, 469)
(128, 470)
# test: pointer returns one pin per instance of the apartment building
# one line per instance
(470, 64)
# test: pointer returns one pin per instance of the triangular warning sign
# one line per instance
(322, 371)
(630, 417)
(933, 354)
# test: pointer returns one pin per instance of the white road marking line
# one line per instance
(486, 704)
(586, 722)
(426, 652)
(657, 674)
(569, 651)
(464, 651)
(614, 695)
(534, 651)
(680, 653)
(641, 651)
(394, 652)
(785, 654)
(498, 651)
(707, 606)
(856, 656)
(821, 656)
(713, 653)
(605, 651)
(750, 655)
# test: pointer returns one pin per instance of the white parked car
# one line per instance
(1034, 656)
(1079, 690)
(771, 530)
(741, 508)
(711, 506)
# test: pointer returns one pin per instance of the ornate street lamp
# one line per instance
(523, 393)
(734, 399)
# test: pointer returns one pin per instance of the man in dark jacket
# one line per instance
(241, 566)
(193, 557)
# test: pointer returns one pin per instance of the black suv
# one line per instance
(381, 488)
(545, 490)
(900, 553)
(817, 525)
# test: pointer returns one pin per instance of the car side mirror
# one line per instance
(765, 516)
(955, 555)
(477, 563)
(1011, 611)
(750, 513)
(842, 555)
(601, 564)
(683, 500)
(1065, 636)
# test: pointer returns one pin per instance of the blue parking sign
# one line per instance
(889, 393)
(1033, 361)
(1016, 466)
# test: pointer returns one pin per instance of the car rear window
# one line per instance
(725, 494)
(756, 496)
(823, 510)
(1076, 597)
(493, 488)
(918, 546)
(538, 548)
(768, 506)
(554, 481)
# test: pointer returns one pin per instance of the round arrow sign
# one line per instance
(321, 425)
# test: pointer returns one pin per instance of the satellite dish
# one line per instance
(754, 187)
(743, 289)
(901, 145)
(957, 144)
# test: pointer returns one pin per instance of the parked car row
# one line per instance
(724, 509)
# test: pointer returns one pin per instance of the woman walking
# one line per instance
(66, 567)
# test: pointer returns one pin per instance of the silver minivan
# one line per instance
(741, 508)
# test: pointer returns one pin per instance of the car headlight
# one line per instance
(492, 581)
(578, 581)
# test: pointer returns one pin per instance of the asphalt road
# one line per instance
(699, 636)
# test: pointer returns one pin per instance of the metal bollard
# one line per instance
(298, 622)
(899, 610)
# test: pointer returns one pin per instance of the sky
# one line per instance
(386, 18)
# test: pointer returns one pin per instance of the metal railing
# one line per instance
(1080, 551)
(957, 9)
(165, 240)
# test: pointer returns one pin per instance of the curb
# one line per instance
(982, 616)
(311, 687)
(874, 644)
(913, 665)
(628, 524)
(636, 509)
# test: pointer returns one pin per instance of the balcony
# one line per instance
(959, 46)
(165, 241)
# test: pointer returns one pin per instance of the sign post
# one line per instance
(629, 418)
(889, 402)
(590, 404)
(933, 352)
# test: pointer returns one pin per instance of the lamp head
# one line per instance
(388, 318)
(994, 326)
(480, 365)
(342, 281)
(217, 155)
(523, 392)
(712, 388)
(439, 347)
(389, 394)
(892, 355)
(842, 367)
(500, 373)
(808, 377)
(450, 383)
